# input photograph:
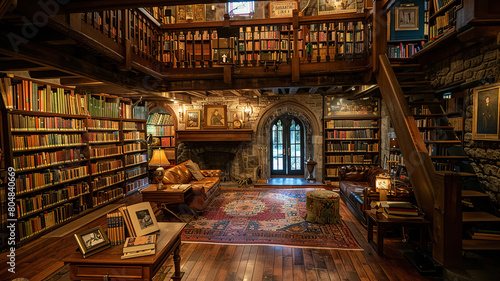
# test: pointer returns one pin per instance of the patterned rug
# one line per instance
(265, 217)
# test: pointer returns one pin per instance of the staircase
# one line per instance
(444, 196)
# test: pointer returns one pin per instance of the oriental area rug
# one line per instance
(265, 217)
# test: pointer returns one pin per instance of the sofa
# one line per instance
(204, 189)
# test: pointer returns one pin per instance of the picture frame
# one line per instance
(485, 122)
(142, 218)
(406, 18)
(215, 116)
(181, 13)
(193, 120)
(326, 7)
(92, 241)
(236, 115)
(199, 12)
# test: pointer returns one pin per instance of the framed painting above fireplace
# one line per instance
(215, 117)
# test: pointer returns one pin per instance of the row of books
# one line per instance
(160, 119)
(103, 137)
(43, 159)
(134, 136)
(396, 157)
(355, 159)
(135, 172)
(136, 184)
(103, 124)
(352, 134)
(439, 4)
(100, 106)
(115, 228)
(103, 196)
(348, 124)
(28, 205)
(139, 246)
(356, 146)
(165, 141)
(444, 24)
(435, 134)
(166, 130)
(34, 181)
(332, 172)
(437, 149)
(486, 234)
(404, 50)
(421, 110)
(130, 125)
(45, 141)
(427, 122)
(132, 147)
(96, 152)
(397, 210)
(45, 220)
(105, 181)
(104, 166)
(457, 123)
(135, 158)
(39, 123)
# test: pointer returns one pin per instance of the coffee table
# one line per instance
(167, 197)
(108, 263)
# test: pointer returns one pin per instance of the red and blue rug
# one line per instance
(265, 217)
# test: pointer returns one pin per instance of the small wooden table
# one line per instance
(167, 197)
(383, 223)
(108, 263)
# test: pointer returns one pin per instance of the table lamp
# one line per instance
(383, 183)
(159, 159)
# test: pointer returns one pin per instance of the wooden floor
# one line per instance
(40, 258)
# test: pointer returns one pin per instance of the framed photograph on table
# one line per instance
(406, 18)
(92, 241)
(192, 119)
(143, 218)
(485, 123)
(336, 6)
(216, 116)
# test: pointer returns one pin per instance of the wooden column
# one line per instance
(379, 33)
(447, 227)
(126, 39)
(295, 58)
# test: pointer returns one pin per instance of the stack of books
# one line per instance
(397, 210)
(486, 234)
(139, 246)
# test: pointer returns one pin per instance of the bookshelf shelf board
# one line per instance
(348, 152)
(354, 139)
(108, 201)
(103, 172)
(46, 131)
(443, 9)
(353, 128)
(135, 120)
(106, 118)
(106, 156)
(159, 136)
(160, 125)
(135, 164)
(48, 147)
(438, 127)
(354, 117)
(488, 245)
(102, 142)
(449, 157)
(30, 213)
(132, 140)
(160, 146)
(130, 130)
(48, 186)
(428, 115)
(48, 114)
(349, 163)
(136, 176)
(109, 185)
(135, 151)
(102, 129)
(20, 171)
(443, 141)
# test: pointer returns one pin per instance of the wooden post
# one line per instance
(295, 58)
(127, 44)
(379, 33)
(447, 226)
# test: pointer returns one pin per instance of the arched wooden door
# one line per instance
(287, 146)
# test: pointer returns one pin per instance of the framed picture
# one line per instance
(336, 6)
(235, 115)
(192, 119)
(485, 124)
(181, 13)
(92, 241)
(143, 219)
(199, 12)
(406, 18)
(215, 116)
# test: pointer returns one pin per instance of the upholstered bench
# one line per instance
(322, 207)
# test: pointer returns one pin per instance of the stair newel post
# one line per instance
(296, 57)
(379, 32)
(447, 219)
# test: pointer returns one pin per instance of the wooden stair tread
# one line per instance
(405, 65)
(470, 244)
(473, 193)
(410, 73)
(479, 217)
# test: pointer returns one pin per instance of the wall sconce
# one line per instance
(181, 113)
(383, 184)
(248, 111)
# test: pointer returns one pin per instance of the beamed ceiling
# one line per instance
(57, 50)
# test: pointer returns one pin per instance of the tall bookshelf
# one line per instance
(161, 129)
(66, 150)
(351, 134)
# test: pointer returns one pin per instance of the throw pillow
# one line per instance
(195, 170)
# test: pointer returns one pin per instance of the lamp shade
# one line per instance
(159, 158)
(383, 182)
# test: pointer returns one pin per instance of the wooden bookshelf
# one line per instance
(161, 128)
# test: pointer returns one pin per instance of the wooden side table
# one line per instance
(167, 197)
(108, 263)
(383, 223)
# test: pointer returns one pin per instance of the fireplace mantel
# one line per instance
(214, 135)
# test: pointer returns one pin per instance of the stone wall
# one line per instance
(308, 108)
(475, 62)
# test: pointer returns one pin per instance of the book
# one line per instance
(140, 219)
(485, 236)
(134, 244)
(401, 217)
(138, 254)
(180, 186)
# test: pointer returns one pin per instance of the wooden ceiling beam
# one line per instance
(256, 92)
(313, 90)
(293, 90)
(46, 74)
(80, 81)
(217, 93)
(21, 65)
(235, 92)
(197, 94)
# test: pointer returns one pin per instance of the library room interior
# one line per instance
(250, 140)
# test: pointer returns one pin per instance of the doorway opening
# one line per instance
(287, 146)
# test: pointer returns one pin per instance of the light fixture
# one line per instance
(383, 184)
(248, 111)
(159, 159)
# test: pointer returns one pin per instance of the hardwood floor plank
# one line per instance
(310, 269)
(320, 265)
(258, 270)
(357, 266)
(242, 266)
(287, 264)
(218, 263)
(330, 265)
(368, 270)
(299, 273)
(278, 264)
(197, 267)
(249, 270)
(211, 262)
(223, 270)
(193, 259)
(234, 263)
(268, 263)
(338, 264)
